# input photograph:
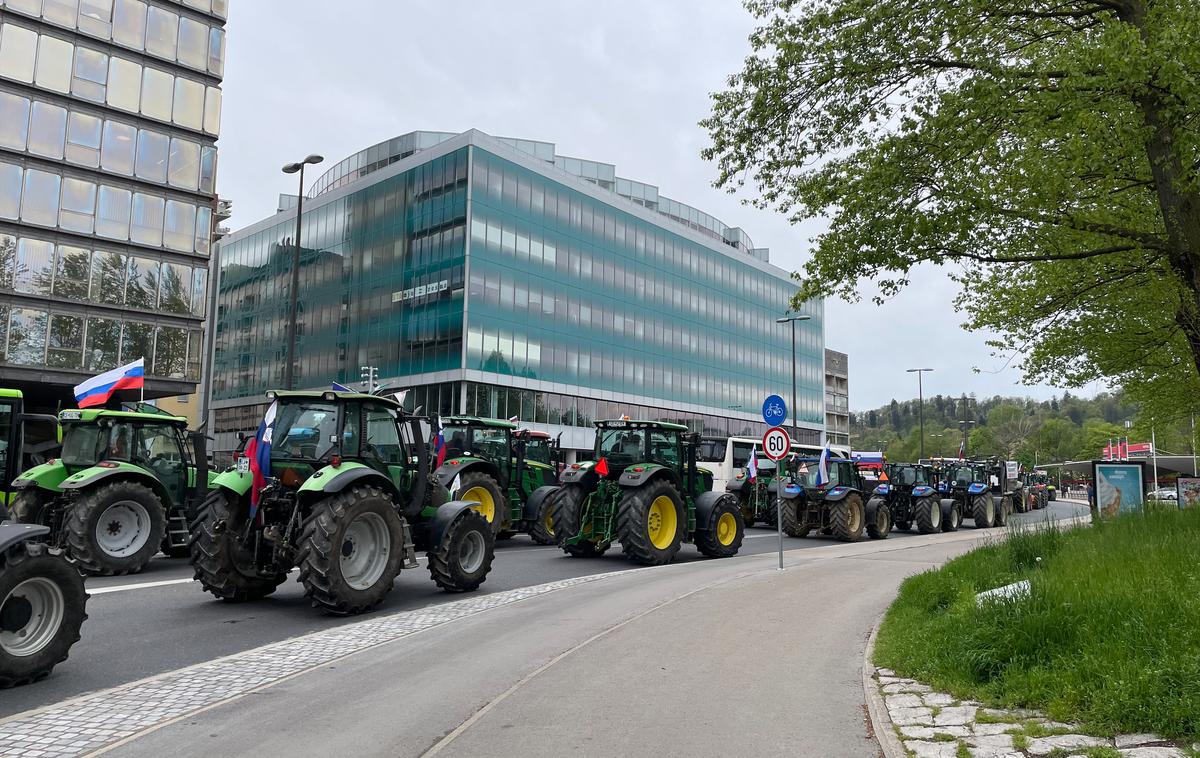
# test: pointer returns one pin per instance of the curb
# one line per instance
(877, 713)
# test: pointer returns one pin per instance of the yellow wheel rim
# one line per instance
(549, 524)
(726, 529)
(485, 503)
(662, 522)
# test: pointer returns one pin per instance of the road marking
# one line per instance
(168, 582)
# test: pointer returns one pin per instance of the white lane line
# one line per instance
(167, 582)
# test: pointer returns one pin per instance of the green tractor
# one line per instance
(511, 474)
(122, 490)
(833, 507)
(645, 490)
(756, 497)
(42, 599)
(348, 497)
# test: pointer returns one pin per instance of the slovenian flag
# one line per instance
(962, 450)
(439, 446)
(98, 389)
(258, 450)
(823, 466)
(752, 469)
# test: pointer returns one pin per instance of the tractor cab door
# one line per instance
(160, 448)
(10, 445)
(383, 448)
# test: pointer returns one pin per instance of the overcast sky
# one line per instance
(621, 82)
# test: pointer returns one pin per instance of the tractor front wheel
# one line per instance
(567, 516)
(846, 518)
(27, 507)
(927, 514)
(42, 606)
(116, 528)
(542, 528)
(983, 511)
(649, 523)
(881, 526)
(789, 518)
(222, 566)
(463, 559)
(1002, 511)
(480, 488)
(350, 551)
(723, 537)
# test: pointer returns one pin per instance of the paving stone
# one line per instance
(1133, 740)
(932, 749)
(895, 680)
(955, 715)
(1153, 752)
(1013, 714)
(940, 699)
(927, 732)
(904, 701)
(885, 672)
(1047, 745)
(912, 716)
(898, 687)
(987, 730)
(1058, 725)
(996, 744)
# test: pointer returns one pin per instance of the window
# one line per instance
(77, 212)
(162, 32)
(179, 227)
(175, 288)
(27, 337)
(117, 150)
(142, 288)
(14, 121)
(47, 130)
(95, 17)
(53, 64)
(199, 291)
(18, 52)
(147, 219)
(32, 7)
(10, 190)
(203, 229)
(212, 110)
(83, 139)
(152, 156)
(216, 51)
(189, 103)
(103, 344)
(34, 270)
(108, 280)
(137, 341)
(91, 74)
(170, 352)
(184, 163)
(157, 87)
(208, 169)
(124, 84)
(62, 12)
(65, 344)
(382, 445)
(72, 271)
(112, 213)
(8, 260)
(193, 43)
(129, 23)
(39, 198)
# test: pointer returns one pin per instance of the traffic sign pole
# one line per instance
(776, 444)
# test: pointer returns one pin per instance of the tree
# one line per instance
(1044, 150)
(872, 419)
(1009, 426)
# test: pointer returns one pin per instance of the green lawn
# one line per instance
(1109, 637)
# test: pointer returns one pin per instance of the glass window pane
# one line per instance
(95, 17)
(39, 198)
(175, 288)
(14, 121)
(124, 84)
(157, 87)
(103, 344)
(203, 229)
(129, 23)
(117, 152)
(27, 337)
(193, 43)
(170, 352)
(216, 52)
(212, 111)
(72, 272)
(83, 139)
(91, 74)
(65, 348)
(10, 190)
(54, 64)
(108, 279)
(141, 289)
(112, 212)
(184, 163)
(220, 8)
(18, 52)
(179, 228)
(62, 12)
(208, 169)
(199, 291)
(137, 341)
(32, 7)
(78, 208)
(152, 156)
(189, 103)
(162, 31)
(147, 219)
(34, 271)
(47, 130)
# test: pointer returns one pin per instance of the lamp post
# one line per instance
(792, 320)
(288, 369)
(921, 402)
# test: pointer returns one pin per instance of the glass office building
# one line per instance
(494, 277)
(109, 116)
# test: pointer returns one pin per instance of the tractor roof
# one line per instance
(477, 421)
(7, 393)
(91, 415)
(534, 434)
(635, 424)
(331, 396)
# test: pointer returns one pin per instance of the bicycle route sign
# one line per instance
(774, 410)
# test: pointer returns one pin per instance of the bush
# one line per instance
(1109, 635)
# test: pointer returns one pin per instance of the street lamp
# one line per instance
(291, 168)
(921, 400)
(792, 320)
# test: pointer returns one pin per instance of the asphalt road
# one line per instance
(160, 620)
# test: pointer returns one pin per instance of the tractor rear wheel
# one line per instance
(983, 511)
(927, 515)
(723, 537)
(789, 518)
(567, 515)
(42, 606)
(27, 506)
(462, 561)
(847, 517)
(881, 526)
(480, 488)
(1002, 511)
(222, 565)
(650, 523)
(116, 528)
(542, 527)
(952, 515)
(350, 549)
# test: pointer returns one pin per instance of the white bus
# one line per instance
(726, 456)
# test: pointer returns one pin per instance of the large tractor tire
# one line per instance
(351, 547)
(1043, 498)
(1003, 510)
(881, 526)
(463, 559)
(952, 515)
(789, 518)
(42, 606)
(568, 521)
(27, 506)
(723, 537)
(479, 487)
(223, 567)
(650, 523)
(847, 518)
(983, 511)
(927, 515)
(115, 528)
(542, 528)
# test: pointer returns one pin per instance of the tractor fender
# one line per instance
(90, 477)
(12, 532)
(922, 490)
(236, 482)
(443, 518)
(836, 494)
(786, 490)
(533, 505)
(872, 508)
(883, 489)
(447, 472)
(47, 476)
(706, 504)
(580, 475)
(649, 471)
(978, 488)
(330, 480)
(737, 485)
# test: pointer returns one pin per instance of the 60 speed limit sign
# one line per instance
(776, 443)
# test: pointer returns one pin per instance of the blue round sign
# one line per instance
(774, 410)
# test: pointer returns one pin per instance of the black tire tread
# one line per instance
(706, 539)
(567, 514)
(839, 518)
(632, 514)
(922, 515)
(479, 478)
(789, 518)
(89, 558)
(39, 560)
(979, 507)
(882, 514)
(212, 556)
(444, 571)
(537, 530)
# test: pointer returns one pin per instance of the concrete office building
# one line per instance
(109, 115)
(493, 276)
(837, 398)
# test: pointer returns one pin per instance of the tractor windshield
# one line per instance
(537, 449)
(909, 475)
(621, 446)
(960, 474)
(304, 430)
(711, 451)
(83, 445)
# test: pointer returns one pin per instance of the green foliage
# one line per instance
(1043, 151)
(1109, 636)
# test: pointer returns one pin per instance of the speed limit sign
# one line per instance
(776, 443)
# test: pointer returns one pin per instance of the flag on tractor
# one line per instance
(258, 450)
(962, 449)
(602, 467)
(339, 387)
(97, 390)
(823, 466)
(439, 445)
(512, 419)
(752, 469)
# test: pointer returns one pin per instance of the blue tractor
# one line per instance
(835, 507)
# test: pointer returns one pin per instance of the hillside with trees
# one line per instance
(1065, 427)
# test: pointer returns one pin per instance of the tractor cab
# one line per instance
(23, 443)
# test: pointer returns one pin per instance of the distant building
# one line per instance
(837, 398)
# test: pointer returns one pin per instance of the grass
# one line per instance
(1109, 637)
